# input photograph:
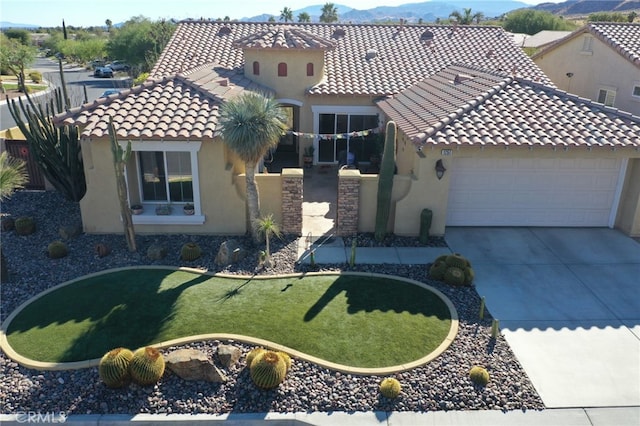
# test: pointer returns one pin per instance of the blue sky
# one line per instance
(84, 13)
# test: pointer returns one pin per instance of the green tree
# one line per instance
(304, 17)
(607, 17)
(467, 17)
(64, 30)
(251, 124)
(23, 36)
(632, 16)
(286, 14)
(140, 42)
(531, 21)
(109, 24)
(271, 19)
(329, 13)
(16, 57)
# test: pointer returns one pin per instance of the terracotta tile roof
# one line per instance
(624, 38)
(373, 60)
(284, 37)
(181, 106)
(486, 108)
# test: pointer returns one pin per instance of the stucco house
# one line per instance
(600, 61)
(340, 84)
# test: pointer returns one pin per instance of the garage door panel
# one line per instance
(532, 192)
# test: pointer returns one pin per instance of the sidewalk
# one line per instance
(551, 417)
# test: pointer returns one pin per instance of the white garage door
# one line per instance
(532, 192)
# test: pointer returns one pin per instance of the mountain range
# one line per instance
(429, 11)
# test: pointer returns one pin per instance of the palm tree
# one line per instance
(13, 175)
(109, 24)
(304, 17)
(329, 13)
(251, 124)
(266, 226)
(286, 14)
(467, 17)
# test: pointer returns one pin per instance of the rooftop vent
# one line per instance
(461, 78)
(426, 36)
(224, 31)
(339, 32)
(371, 53)
(490, 53)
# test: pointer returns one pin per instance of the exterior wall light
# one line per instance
(440, 169)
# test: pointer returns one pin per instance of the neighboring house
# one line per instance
(326, 76)
(516, 153)
(538, 40)
(600, 61)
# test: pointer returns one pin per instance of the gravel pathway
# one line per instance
(442, 384)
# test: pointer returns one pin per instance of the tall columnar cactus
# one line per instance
(55, 149)
(385, 181)
(120, 158)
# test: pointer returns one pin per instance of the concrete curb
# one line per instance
(606, 416)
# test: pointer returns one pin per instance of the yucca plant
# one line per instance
(267, 227)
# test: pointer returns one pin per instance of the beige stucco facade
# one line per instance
(584, 65)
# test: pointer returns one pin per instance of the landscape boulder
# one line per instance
(230, 252)
(228, 355)
(156, 252)
(192, 364)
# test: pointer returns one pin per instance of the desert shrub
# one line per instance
(57, 250)
(147, 366)
(479, 375)
(113, 368)
(390, 388)
(25, 225)
(35, 76)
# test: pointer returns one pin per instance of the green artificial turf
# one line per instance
(353, 320)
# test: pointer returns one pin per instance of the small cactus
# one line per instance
(390, 388)
(25, 225)
(287, 359)
(147, 366)
(113, 368)
(453, 269)
(437, 270)
(456, 260)
(102, 250)
(454, 276)
(479, 375)
(190, 252)
(57, 250)
(252, 354)
(268, 369)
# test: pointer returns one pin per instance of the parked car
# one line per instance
(103, 72)
(97, 63)
(119, 66)
(109, 92)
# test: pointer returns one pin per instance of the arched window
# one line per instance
(256, 68)
(282, 69)
(310, 69)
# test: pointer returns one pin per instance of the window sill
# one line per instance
(176, 218)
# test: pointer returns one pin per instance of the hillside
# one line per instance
(585, 7)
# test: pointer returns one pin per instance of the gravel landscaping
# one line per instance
(443, 384)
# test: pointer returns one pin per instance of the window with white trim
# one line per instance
(607, 97)
(163, 180)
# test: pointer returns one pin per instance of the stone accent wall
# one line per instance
(348, 202)
(292, 183)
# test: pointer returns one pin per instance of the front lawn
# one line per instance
(356, 320)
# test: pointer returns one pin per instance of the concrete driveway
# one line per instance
(568, 301)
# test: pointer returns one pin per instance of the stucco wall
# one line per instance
(222, 205)
(628, 220)
(426, 191)
(369, 199)
(604, 68)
